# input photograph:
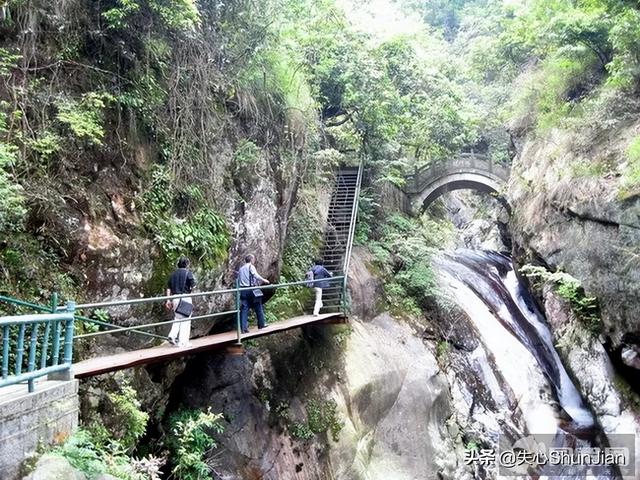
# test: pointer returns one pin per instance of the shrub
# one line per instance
(133, 420)
(190, 440)
(178, 15)
(569, 288)
(84, 116)
(90, 455)
(12, 208)
(322, 417)
(201, 233)
(46, 145)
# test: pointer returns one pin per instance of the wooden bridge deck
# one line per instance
(119, 361)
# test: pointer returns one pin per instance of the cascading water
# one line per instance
(516, 336)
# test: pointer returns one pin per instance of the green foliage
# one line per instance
(92, 457)
(31, 272)
(99, 450)
(570, 289)
(133, 420)
(177, 14)
(116, 17)
(580, 44)
(83, 453)
(190, 440)
(12, 207)
(303, 242)
(46, 145)
(245, 160)
(84, 117)
(624, 36)
(630, 182)
(8, 61)
(180, 15)
(301, 431)
(322, 417)
(201, 233)
(443, 348)
(403, 252)
(472, 445)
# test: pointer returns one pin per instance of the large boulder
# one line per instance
(54, 467)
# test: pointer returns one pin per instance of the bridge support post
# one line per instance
(238, 324)
(234, 350)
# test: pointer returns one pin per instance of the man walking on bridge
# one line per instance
(319, 274)
(180, 282)
(248, 276)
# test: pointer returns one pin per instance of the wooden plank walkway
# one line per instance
(119, 361)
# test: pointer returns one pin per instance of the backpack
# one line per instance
(308, 277)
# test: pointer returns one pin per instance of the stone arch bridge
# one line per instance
(465, 171)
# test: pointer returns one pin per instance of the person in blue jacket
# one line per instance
(320, 275)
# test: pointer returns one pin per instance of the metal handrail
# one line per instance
(137, 301)
(55, 323)
(237, 291)
(352, 228)
(352, 223)
(55, 307)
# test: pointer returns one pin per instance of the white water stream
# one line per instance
(520, 343)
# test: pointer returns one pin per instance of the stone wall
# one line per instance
(47, 416)
(392, 199)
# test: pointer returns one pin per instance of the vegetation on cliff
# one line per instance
(155, 121)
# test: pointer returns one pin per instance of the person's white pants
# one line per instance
(319, 304)
(180, 331)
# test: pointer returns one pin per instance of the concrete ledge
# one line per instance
(27, 420)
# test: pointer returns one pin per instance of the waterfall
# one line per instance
(516, 336)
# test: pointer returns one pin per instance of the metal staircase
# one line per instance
(339, 232)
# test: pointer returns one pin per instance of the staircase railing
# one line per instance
(352, 230)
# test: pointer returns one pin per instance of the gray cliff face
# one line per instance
(590, 366)
(581, 223)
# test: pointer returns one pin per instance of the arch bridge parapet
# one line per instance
(463, 163)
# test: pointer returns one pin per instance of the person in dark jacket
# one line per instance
(181, 281)
(320, 274)
(248, 276)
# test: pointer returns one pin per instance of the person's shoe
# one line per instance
(316, 314)
(172, 341)
(264, 326)
(245, 331)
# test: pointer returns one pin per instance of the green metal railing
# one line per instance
(236, 292)
(44, 351)
(27, 354)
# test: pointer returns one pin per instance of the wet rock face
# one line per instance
(365, 289)
(589, 364)
(387, 387)
(396, 404)
(580, 223)
(480, 219)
